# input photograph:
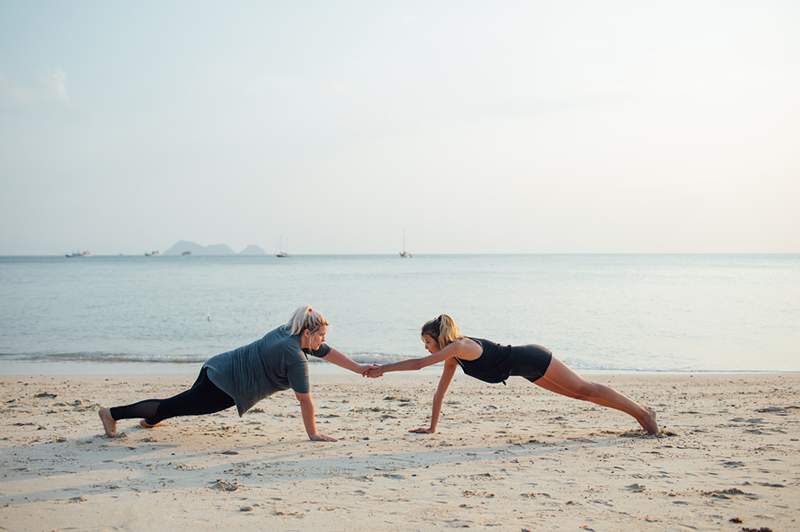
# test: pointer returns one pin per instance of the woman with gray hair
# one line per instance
(246, 375)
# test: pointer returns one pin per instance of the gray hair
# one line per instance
(306, 318)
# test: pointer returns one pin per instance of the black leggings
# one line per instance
(202, 398)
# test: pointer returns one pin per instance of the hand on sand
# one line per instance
(320, 437)
(375, 371)
(649, 423)
(423, 430)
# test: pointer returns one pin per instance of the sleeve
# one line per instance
(322, 352)
(297, 373)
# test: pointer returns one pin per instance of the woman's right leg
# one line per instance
(202, 398)
(562, 380)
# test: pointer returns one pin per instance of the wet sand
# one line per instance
(505, 458)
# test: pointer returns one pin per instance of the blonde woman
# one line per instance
(246, 375)
(491, 362)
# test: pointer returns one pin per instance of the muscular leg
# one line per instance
(560, 379)
(553, 387)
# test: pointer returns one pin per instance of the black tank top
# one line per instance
(494, 364)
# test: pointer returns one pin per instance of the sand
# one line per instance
(505, 458)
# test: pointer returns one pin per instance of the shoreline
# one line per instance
(22, 367)
(504, 457)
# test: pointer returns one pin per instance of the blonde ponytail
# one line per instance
(443, 329)
(306, 318)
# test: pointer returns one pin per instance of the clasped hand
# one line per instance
(372, 371)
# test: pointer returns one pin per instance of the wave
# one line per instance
(360, 357)
(155, 358)
(102, 356)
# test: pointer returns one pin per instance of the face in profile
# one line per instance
(431, 345)
(316, 338)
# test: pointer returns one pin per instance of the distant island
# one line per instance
(181, 247)
(252, 249)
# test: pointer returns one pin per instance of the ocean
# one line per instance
(595, 312)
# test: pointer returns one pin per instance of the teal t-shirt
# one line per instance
(257, 370)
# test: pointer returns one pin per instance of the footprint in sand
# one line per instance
(728, 493)
(771, 485)
(732, 464)
(752, 420)
(224, 485)
(777, 410)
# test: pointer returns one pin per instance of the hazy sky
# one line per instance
(476, 126)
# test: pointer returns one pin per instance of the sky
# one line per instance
(475, 127)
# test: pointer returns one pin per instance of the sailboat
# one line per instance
(282, 253)
(405, 254)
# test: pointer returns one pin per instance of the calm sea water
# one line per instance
(624, 312)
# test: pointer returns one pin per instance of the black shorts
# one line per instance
(530, 361)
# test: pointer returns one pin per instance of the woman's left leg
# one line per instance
(562, 380)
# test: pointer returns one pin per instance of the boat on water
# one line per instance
(405, 254)
(153, 253)
(186, 253)
(282, 253)
(84, 253)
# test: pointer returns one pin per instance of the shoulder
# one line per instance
(280, 341)
(322, 352)
(465, 341)
(467, 346)
(279, 332)
(294, 356)
(275, 337)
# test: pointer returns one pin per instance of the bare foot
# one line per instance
(145, 425)
(109, 424)
(649, 423)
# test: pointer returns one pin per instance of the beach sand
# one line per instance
(505, 458)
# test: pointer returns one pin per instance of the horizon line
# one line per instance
(391, 254)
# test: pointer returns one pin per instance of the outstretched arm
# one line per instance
(444, 382)
(465, 348)
(344, 361)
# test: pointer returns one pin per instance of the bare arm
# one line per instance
(309, 420)
(464, 348)
(444, 382)
(343, 361)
